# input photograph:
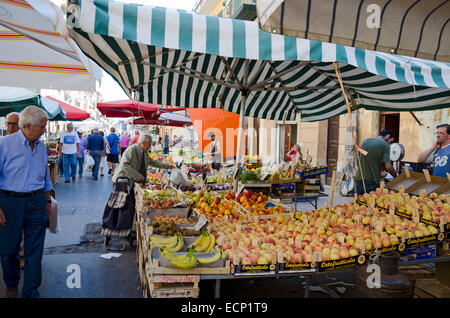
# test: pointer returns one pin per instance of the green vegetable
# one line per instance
(248, 176)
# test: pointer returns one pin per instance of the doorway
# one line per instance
(332, 146)
(390, 121)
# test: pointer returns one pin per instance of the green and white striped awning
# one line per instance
(179, 58)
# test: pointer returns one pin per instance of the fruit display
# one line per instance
(219, 186)
(160, 204)
(191, 187)
(252, 164)
(183, 261)
(218, 208)
(171, 228)
(430, 208)
(341, 232)
(217, 179)
(172, 244)
(160, 199)
(256, 203)
(154, 178)
(205, 242)
(188, 260)
(178, 219)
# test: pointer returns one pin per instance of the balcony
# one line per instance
(239, 9)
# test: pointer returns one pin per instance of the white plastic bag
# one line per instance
(89, 163)
(53, 221)
(179, 178)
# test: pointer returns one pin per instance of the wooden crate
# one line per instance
(431, 288)
(174, 286)
(417, 272)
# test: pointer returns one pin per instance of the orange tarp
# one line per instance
(222, 123)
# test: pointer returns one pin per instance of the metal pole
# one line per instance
(241, 122)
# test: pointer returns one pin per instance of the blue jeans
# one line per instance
(80, 165)
(27, 214)
(70, 161)
(60, 166)
(97, 156)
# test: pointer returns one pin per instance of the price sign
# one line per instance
(201, 223)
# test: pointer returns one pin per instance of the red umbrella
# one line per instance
(72, 113)
(129, 108)
(159, 122)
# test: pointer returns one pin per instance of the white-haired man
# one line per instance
(69, 146)
(25, 202)
(12, 123)
(135, 161)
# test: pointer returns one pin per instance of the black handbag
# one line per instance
(119, 211)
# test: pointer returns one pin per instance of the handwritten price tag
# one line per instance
(201, 223)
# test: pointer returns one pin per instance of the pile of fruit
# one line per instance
(178, 219)
(218, 208)
(188, 259)
(204, 244)
(255, 203)
(170, 228)
(191, 187)
(217, 179)
(337, 233)
(154, 178)
(159, 204)
(431, 208)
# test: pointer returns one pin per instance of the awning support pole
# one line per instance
(244, 93)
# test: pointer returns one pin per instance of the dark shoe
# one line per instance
(101, 175)
(95, 178)
(66, 181)
(11, 292)
(73, 178)
(109, 171)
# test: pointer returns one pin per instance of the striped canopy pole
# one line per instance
(244, 93)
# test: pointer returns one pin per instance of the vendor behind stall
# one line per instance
(378, 156)
(439, 153)
(216, 156)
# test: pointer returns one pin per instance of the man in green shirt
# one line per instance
(378, 156)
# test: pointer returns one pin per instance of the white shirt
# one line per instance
(69, 142)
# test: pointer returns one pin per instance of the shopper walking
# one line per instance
(69, 145)
(103, 159)
(80, 154)
(95, 146)
(124, 142)
(112, 152)
(135, 138)
(25, 202)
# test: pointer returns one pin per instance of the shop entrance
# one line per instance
(390, 121)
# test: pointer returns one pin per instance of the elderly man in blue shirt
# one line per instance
(25, 202)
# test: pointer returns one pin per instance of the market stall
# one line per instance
(267, 76)
(251, 235)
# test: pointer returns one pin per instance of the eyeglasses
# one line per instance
(441, 133)
(11, 123)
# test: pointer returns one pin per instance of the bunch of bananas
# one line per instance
(204, 243)
(219, 255)
(184, 261)
(172, 244)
